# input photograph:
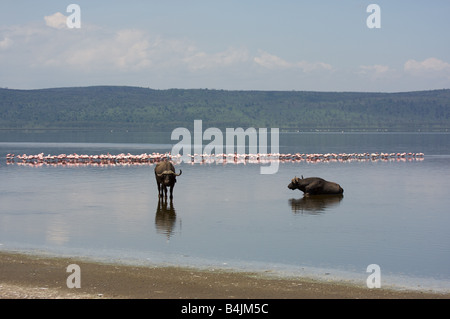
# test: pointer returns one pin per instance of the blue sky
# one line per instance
(233, 45)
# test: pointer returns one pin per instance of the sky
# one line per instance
(287, 45)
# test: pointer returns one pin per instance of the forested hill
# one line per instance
(134, 108)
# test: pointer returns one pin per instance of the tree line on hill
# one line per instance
(136, 108)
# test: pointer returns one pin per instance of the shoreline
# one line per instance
(27, 276)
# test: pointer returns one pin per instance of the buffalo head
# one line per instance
(168, 177)
(296, 183)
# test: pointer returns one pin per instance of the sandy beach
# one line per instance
(24, 276)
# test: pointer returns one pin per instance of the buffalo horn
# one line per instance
(169, 172)
(165, 173)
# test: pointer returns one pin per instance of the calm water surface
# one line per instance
(393, 213)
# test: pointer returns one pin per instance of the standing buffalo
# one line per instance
(165, 177)
(315, 186)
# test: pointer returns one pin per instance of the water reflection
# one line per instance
(315, 204)
(165, 217)
(57, 231)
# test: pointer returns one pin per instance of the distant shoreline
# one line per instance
(282, 130)
(37, 276)
(135, 108)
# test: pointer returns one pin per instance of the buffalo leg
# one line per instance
(159, 189)
(171, 192)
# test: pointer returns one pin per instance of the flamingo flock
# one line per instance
(149, 159)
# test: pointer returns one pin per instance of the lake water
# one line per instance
(394, 213)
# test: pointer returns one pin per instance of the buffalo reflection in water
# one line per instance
(314, 204)
(165, 218)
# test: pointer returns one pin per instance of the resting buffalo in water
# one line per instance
(165, 177)
(315, 186)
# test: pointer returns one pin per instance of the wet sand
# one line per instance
(24, 276)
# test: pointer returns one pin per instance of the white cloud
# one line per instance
(376, 69)
(5, 43)
(92, 49)
(92, 54)
(430, 66)
(197, 60)
(125, 50)
(57, 21)
(308, 66)
(273, 62)
(376, 72)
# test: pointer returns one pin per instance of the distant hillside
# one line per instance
(134, 108)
